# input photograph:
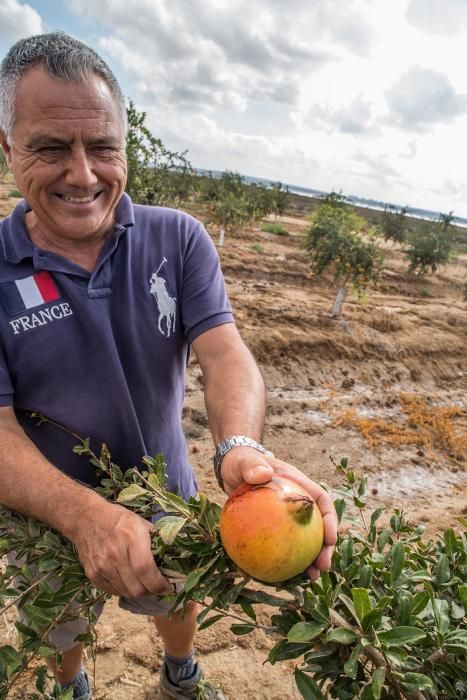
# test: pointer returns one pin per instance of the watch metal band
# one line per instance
(229, 444)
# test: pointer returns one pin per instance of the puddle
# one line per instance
(415, 480)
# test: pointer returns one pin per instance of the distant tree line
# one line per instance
(166, 178)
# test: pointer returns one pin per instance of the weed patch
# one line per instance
(422, 425)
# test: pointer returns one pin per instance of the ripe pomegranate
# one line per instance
(272, 531)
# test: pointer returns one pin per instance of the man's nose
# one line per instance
(80, 171)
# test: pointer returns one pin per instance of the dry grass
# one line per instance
(423, 425)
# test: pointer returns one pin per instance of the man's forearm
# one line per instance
(34, 487)
(234, 389)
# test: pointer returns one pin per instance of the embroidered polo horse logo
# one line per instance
(165, 303)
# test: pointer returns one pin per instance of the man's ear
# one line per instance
(6, 148)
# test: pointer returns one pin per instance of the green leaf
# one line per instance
(404, 609)
(130, 493)
(349, 605)
(361, 601)
(375, 516)
(10, 659)
(193, 578)
(420, 601)
(362, 486)
(372, 619)
(210, 621)
(442, 572)
(341, 635)
(416, 681)
(346, 551)
(401, 635)
(450, 541)
(377, 682)
(441, 612)
(169, 526)
(351, 665)
(339, 505)
(249, 610)
(52, 540)
(383, 538)
(242, 629)
(307, 686)
(463, 596)
(48, 564)
(365, 576)
(305, 631)
(397, 560)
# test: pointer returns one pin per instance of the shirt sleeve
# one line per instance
(6, 386)
(205, 303)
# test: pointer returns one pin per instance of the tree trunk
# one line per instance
(221, 237)
(336, 308)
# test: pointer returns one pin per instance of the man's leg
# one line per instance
(178, 633)
(69, 666)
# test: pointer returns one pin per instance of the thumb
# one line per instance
(257, 473)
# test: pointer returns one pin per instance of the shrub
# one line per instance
(394, 223)
(257, 247)
(430, 245)
(275, 228)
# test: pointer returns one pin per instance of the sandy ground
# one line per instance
(408, 337)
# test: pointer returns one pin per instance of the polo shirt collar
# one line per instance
(18, 245)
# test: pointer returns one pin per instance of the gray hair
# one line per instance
(63, 57)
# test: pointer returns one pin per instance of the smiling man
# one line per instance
(100, 302)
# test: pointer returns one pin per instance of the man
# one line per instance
(100, 301)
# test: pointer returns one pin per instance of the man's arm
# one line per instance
(113, 543)
(235, 402)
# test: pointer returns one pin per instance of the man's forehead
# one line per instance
(36, 89)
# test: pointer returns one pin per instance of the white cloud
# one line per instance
(18, 20)
(438, 16)
(423, 97)
(363, 95)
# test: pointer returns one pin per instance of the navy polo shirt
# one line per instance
(104, 353)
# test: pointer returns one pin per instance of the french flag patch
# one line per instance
(28, 292)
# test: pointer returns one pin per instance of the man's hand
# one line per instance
(244, 464)
(114, 548)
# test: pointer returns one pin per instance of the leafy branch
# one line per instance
(388, 620)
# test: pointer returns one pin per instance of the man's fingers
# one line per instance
(257, 474)
(144, 568)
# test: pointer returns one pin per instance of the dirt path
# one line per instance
(324, 378)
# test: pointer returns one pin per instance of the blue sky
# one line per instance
(364, 96)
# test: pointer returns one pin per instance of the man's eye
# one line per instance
(46, 150)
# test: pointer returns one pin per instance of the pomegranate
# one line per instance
(272, 531)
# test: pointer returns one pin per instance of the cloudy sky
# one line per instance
(364, 96)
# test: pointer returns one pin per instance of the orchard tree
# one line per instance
(232, 203)
(394, 223)
(431, 245)
(280, 198)
(335, 241)
(3, 164)
(155, 174)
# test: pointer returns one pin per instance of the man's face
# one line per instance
(67, 154)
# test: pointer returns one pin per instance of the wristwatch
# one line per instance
(227, 445)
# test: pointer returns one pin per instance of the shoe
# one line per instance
(80, 685)
(193, 688)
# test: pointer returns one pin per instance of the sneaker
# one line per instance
(193, 688)
(80, 685)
